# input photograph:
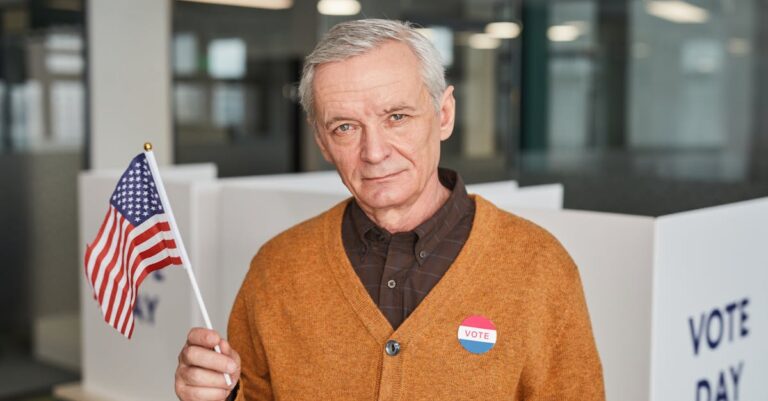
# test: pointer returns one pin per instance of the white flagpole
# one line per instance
(179, 242)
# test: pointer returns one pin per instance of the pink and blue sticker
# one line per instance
(477, 334)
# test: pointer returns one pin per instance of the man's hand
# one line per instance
(200, 374)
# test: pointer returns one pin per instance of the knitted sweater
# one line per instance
(306, 328)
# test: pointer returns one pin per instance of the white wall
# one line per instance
(129, 80)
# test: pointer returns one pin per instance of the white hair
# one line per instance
(354, 38)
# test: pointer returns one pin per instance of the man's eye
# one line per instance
(343, 128)
(397, 117)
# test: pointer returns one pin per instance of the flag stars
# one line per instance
(135, 194)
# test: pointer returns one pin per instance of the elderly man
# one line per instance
(412, 289)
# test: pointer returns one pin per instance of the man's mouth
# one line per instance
(382, 177)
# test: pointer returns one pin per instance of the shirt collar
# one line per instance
(430, 232)
(437, 227)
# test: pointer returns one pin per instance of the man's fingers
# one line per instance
(198, 377)
(194, 356)
(203, 337)
(227, 349)
(202, 393)
(236, 357)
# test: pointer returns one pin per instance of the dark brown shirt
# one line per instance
(399, 270)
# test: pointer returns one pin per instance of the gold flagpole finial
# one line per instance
(147, 146)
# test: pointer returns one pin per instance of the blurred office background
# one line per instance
(636, 106)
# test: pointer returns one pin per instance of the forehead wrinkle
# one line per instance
(341, 104)
(359, 85)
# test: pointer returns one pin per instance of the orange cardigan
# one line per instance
(306, 328)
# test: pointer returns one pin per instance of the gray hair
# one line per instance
(354, 38)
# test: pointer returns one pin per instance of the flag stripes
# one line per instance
(134, 240)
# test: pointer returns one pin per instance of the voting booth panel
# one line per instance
(494, 191)
(614, 254)
(142, 368)
(710, 311)
(539, 197)
(313, 182)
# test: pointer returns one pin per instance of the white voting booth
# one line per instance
(710, 304)
(679, 303)
(675, 301)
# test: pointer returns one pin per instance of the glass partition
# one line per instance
(236, 70)
(614, 98)
(42, 141)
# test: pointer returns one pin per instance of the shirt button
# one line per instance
(423, 254)
(391, 283)
(392, 348)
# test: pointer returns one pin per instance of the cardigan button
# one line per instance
(392, 348)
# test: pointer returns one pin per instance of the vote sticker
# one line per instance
(477, 334)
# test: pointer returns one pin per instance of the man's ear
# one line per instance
(447, 113)
(320, 143)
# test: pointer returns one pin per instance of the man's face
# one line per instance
(377, 124)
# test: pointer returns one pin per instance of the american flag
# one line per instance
(134, 240)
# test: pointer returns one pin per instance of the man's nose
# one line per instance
(375, 146)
